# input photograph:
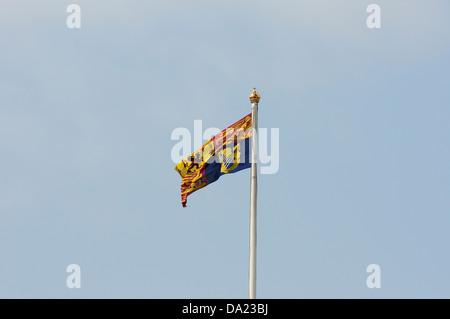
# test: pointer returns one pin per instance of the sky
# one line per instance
(87, 178)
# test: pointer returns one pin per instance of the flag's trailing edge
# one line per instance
(227, 152)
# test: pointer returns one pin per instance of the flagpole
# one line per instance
(254, 99)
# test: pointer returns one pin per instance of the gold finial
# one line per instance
(254, 97)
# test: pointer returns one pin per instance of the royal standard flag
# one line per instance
(227, 152)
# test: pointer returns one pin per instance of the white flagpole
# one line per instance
(254, 99)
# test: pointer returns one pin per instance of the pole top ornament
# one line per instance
(254, 97)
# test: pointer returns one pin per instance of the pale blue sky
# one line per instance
(85, 123)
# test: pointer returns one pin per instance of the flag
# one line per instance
(227, 152)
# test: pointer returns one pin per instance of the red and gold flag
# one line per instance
(227, 152)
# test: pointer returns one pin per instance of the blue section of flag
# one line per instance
(238, 160)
